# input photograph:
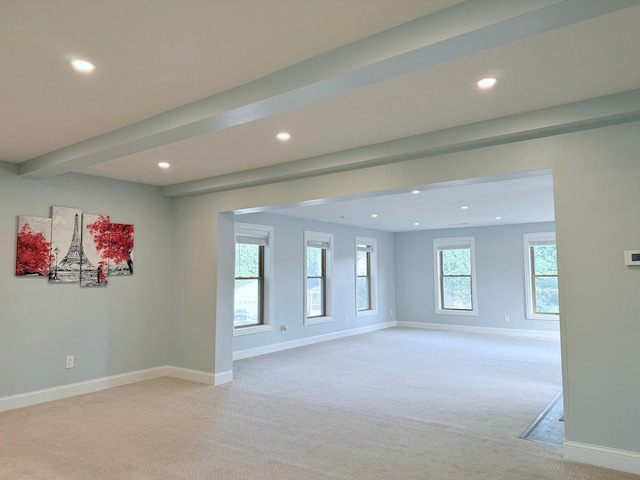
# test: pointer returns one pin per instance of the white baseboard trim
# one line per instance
(602, 456)
(223, 377)
(278, 347)
(27, 399)
(510, 332)
(191, 375)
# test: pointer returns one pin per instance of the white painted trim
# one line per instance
(528, 287)
(510, 332)
(60, 392)
(269, 265)
(328, 238)
(191, 375)
(317, 320)
(461, 242)
(373, 275)
(80, 388)
(223, 377)
(278, 347)
(623, 460)
(250, 330)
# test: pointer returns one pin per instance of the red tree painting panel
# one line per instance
(114, 242)
(33, 252)
(121, 249)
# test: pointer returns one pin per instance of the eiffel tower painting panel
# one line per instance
(66, 245)
(95, 246)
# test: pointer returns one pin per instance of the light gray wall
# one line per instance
(597, 199)
(120, 328)
(596, 196)
(288, 250)
(124, 327)
(499, 254)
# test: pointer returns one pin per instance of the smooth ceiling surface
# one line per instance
(486, 202)
(154, 56)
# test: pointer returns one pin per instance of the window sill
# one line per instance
(316, 320)
(249, 330)
(466, 313)
(366, 313)
(538, 316)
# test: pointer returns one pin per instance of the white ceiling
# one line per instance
(206, 85)
(514, 200)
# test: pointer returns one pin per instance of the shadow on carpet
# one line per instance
(548, 426)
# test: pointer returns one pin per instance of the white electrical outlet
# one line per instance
(70, 361)
(346, 318)
(506, 318)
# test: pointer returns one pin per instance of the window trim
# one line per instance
(324, 238)
(528, 238)
(260, 231)
(440, 244)
(372, 244)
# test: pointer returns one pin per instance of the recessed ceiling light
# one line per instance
(464, 207)
(82, 66)
(415, 192)
(486, 83)
(164, 165)
(374, 215)
(283, 136)
(415, 224)
(498, 218)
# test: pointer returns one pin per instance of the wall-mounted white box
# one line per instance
(632, 257)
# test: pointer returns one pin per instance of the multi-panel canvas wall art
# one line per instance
(95, 244)
(72, 247)
(33, 252)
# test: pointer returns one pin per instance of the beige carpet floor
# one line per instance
(394, 404)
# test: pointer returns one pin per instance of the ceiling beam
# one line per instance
(443, 36)
(573, 117)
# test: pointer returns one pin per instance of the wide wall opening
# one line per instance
(473, 257)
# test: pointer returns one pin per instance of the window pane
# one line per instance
(546, 290)
(314, 262)
(363, 297)
(457, 293)
(456, 262)
(247, 260)
(246, 303)
(315, 297)
(545, 260)
(362, 264)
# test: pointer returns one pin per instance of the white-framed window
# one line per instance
(366, 276)
(318, 267)
(455, 276)
(253, 290)
(541, 276)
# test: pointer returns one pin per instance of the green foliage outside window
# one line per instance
(314, 262)
(248, 285)
(455, 271)
(363, 289)
(247, 260)
(545, 271)
(316, 292)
